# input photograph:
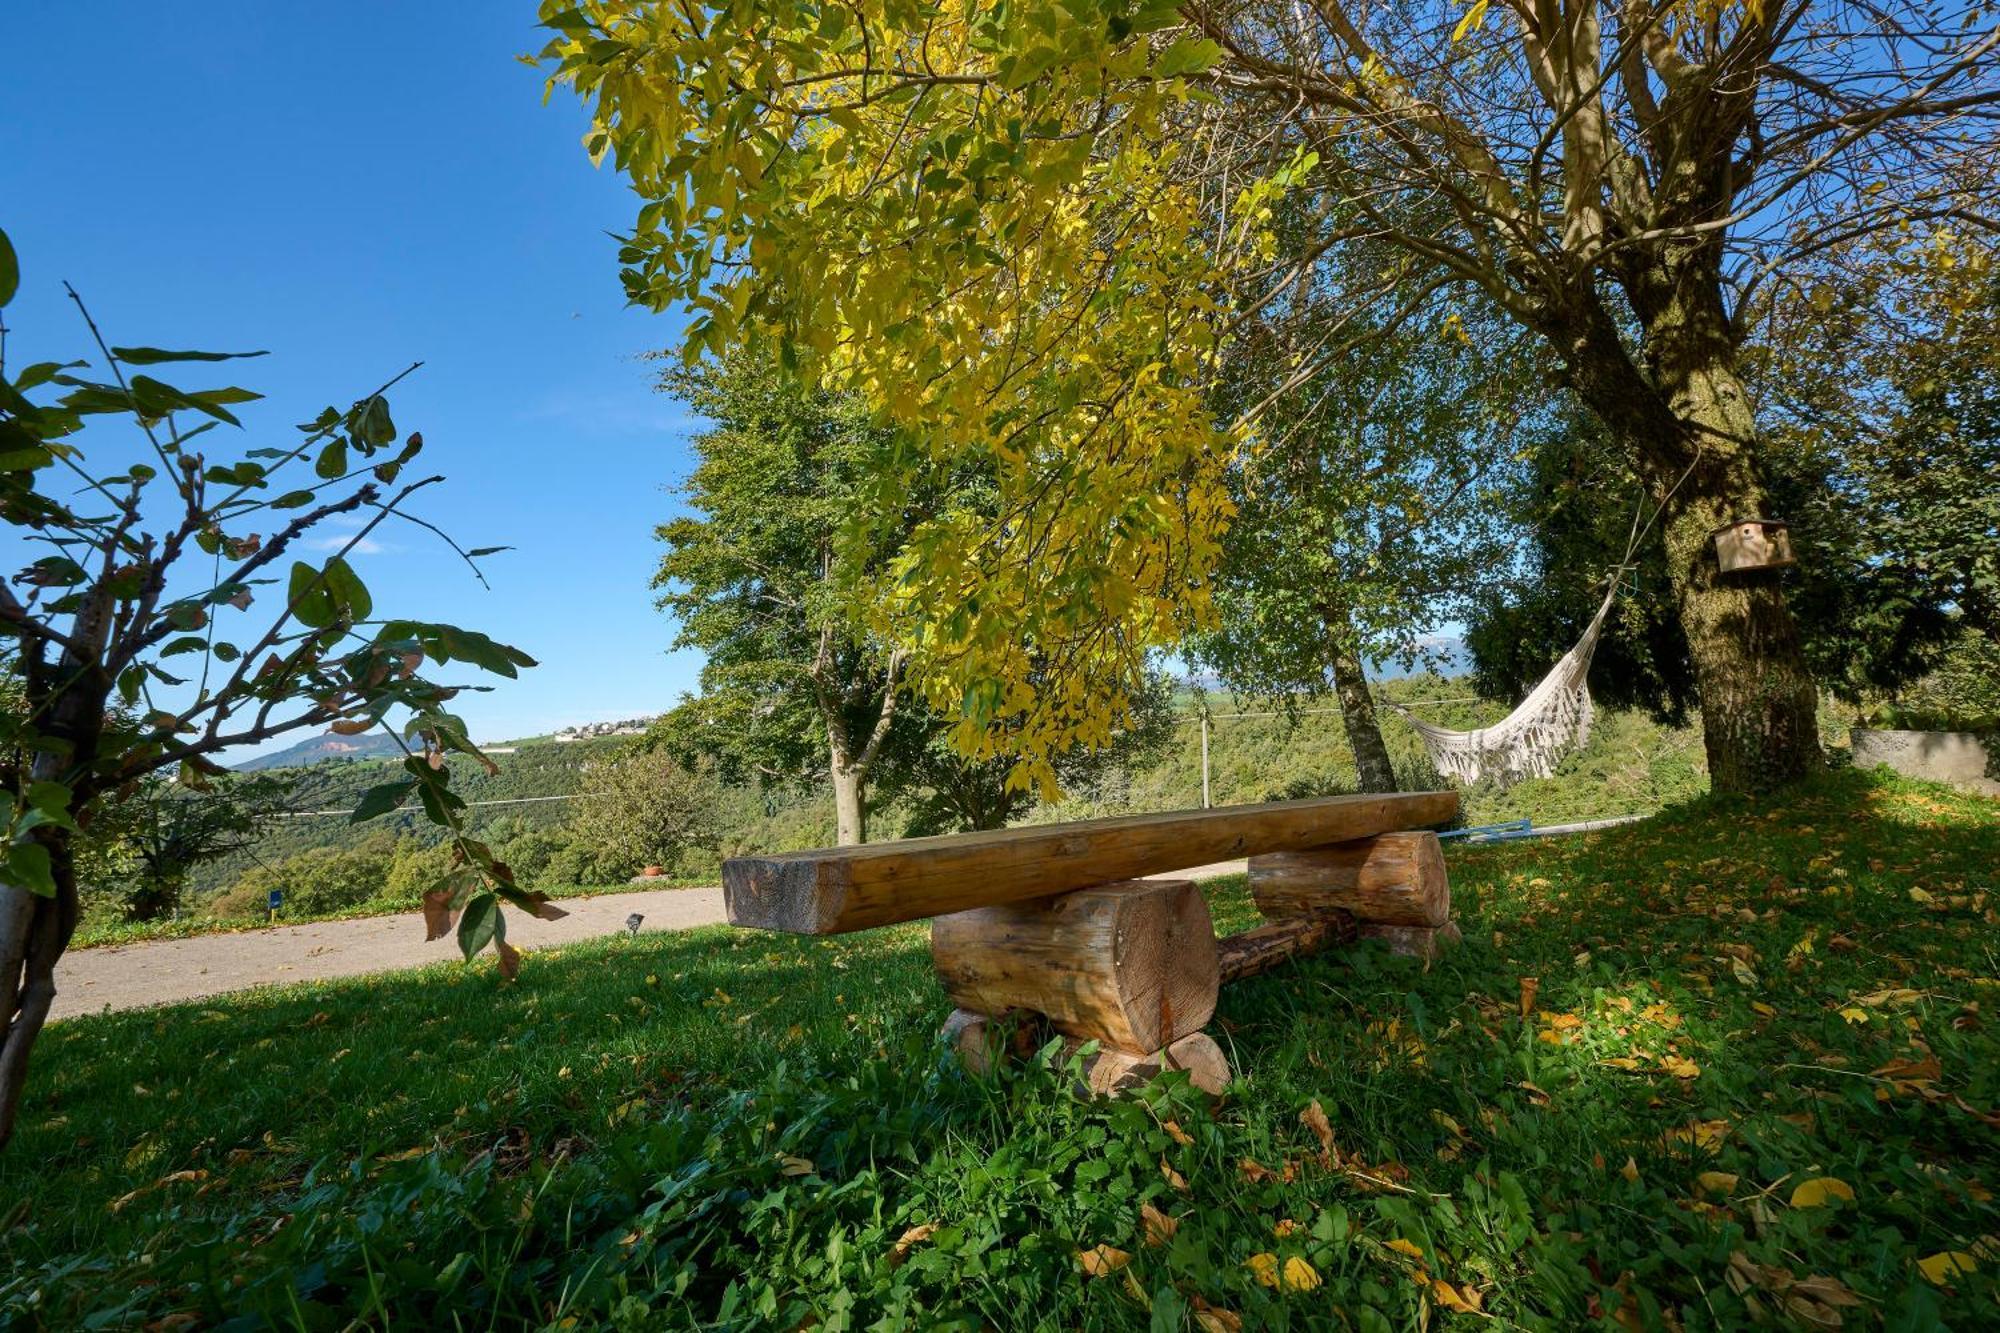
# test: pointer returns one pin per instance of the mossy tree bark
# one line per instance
(1688, 425)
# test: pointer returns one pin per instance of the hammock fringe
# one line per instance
(1532, 740)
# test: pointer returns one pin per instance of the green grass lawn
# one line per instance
(1756, 1078)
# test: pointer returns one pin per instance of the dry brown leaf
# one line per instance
(1254, 1171)
(1314, 1119)
(437, 914)
(1157, 1227)
(1465, 1300)
(1215, 1319)
(540, 906)
(1101, 1260)
(1177, 1134)
(909, 1241)
(1529, 987)
(1173, 1177)
(510, 959)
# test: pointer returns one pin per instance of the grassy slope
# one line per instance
(738, 1127)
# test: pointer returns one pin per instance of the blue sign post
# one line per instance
(277, 901)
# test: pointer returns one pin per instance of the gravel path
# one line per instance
(130, 976)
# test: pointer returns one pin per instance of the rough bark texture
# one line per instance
(850, 802)
(1396, 879)
(1132, 965)
(1373, 771)
(1261, 949)
(1687, 422)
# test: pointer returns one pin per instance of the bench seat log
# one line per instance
(835, 890)
(1395, 879)
(1132, 965)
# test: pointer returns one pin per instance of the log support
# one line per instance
(1136, 968)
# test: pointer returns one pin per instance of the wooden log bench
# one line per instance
(1052, 925)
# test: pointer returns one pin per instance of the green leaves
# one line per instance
(381, 799)
(480, 924)
(151, 356)
(334, 592)
(28, 867)
(307, 596)
(10, 270)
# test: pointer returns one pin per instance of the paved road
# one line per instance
(167, 971)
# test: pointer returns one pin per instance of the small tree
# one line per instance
(162, 592)
(792, 687)
(165, 832)
(650, 811)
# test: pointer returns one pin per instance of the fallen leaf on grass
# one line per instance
(1706, 1135)
(1945, 1265)
(1215, 1319)
(1820, 1191)
(1716, 1182)
(1854, 1015)
(1463, 1300)
(1157, 1227)
(795, 1166)
(1895, 996)
(1177, 1134)
(1101, 1260)
(1529, 986)
(1409, 1247)
(1679, 1066)
(1630, 1170)
(909, 1241)
(1300, 1275)
(1295, 1274)
(1173, 1177)
(1314, 1119)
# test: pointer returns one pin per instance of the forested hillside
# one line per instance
(1632, 765)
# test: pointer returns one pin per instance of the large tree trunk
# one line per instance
(1759, 703)
(1688, 426)
(1373, 771)
(850, 800)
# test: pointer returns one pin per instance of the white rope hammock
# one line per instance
(1530, 741)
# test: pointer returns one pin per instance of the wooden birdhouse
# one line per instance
(1753, 543)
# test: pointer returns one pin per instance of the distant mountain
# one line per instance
(368, 745)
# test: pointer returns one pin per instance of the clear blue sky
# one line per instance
(356, 186)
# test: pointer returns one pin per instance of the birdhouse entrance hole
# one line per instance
(1753, 543)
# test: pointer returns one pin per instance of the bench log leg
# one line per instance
(1132, 965)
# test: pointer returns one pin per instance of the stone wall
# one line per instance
(1961, 758)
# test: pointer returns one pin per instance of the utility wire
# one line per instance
(515, 800)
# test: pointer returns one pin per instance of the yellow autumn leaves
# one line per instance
(1015, 272)
(1294, 1274)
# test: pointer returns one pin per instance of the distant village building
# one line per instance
(631, 726)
